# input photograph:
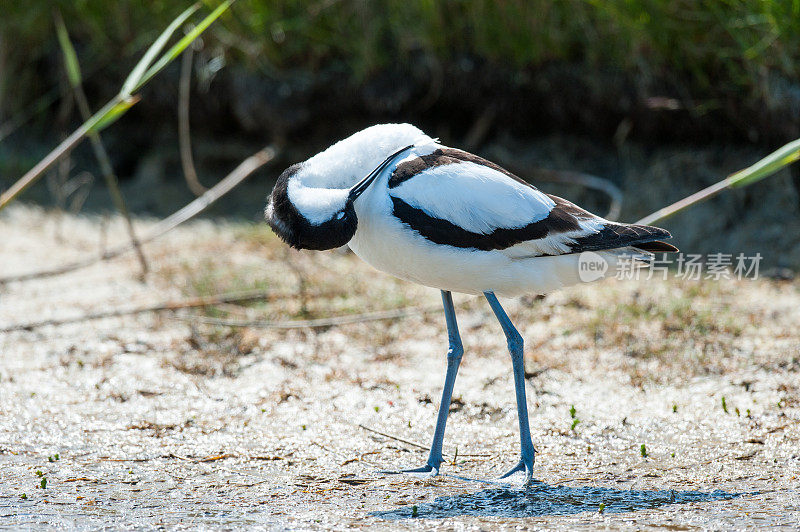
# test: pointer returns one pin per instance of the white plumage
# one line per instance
(472, 196)
(345, 163)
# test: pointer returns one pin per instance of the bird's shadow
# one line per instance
(540, 499)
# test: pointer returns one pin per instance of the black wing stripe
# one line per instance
(441, 157)
(406, 170)
(656, 246)
(444, 232)
(614, 236)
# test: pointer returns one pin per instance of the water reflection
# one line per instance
(543, 499)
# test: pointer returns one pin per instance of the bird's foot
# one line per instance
(426, 471)
(525, 465)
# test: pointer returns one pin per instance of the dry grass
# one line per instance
(653, 331)
(666, 331)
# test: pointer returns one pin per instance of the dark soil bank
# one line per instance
(641, 134)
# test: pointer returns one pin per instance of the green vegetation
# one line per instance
(146, 68)
(575, 420)
(710, 41)
(735, 49)
(643, 451)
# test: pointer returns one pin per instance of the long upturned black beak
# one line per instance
(362, 185)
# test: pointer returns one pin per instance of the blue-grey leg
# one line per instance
(515, 347)
(453, 360)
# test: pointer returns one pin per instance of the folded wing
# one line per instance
(455, 198)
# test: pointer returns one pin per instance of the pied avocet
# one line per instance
(447, 219)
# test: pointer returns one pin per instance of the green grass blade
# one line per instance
(110, 114)
(70, 57)
(766, 166)
(134, 80)
(181, 45)
(120, 104)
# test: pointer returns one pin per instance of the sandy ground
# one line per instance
(159, 421)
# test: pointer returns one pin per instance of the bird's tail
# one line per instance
(614, 235)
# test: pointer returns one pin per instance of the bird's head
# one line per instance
(311, 206)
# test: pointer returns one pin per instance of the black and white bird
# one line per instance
(448, 219)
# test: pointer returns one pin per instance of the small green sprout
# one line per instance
(53, 458)
(24, 496)
(414, 511)
(738, 414)
(602, 508)
(303, 427)
(674, 409)
(575, 420)
(377, 409)
(39, 473)
(748, 412)
(43, 483)
(724, 405)
(643, 450)
(673, 454)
